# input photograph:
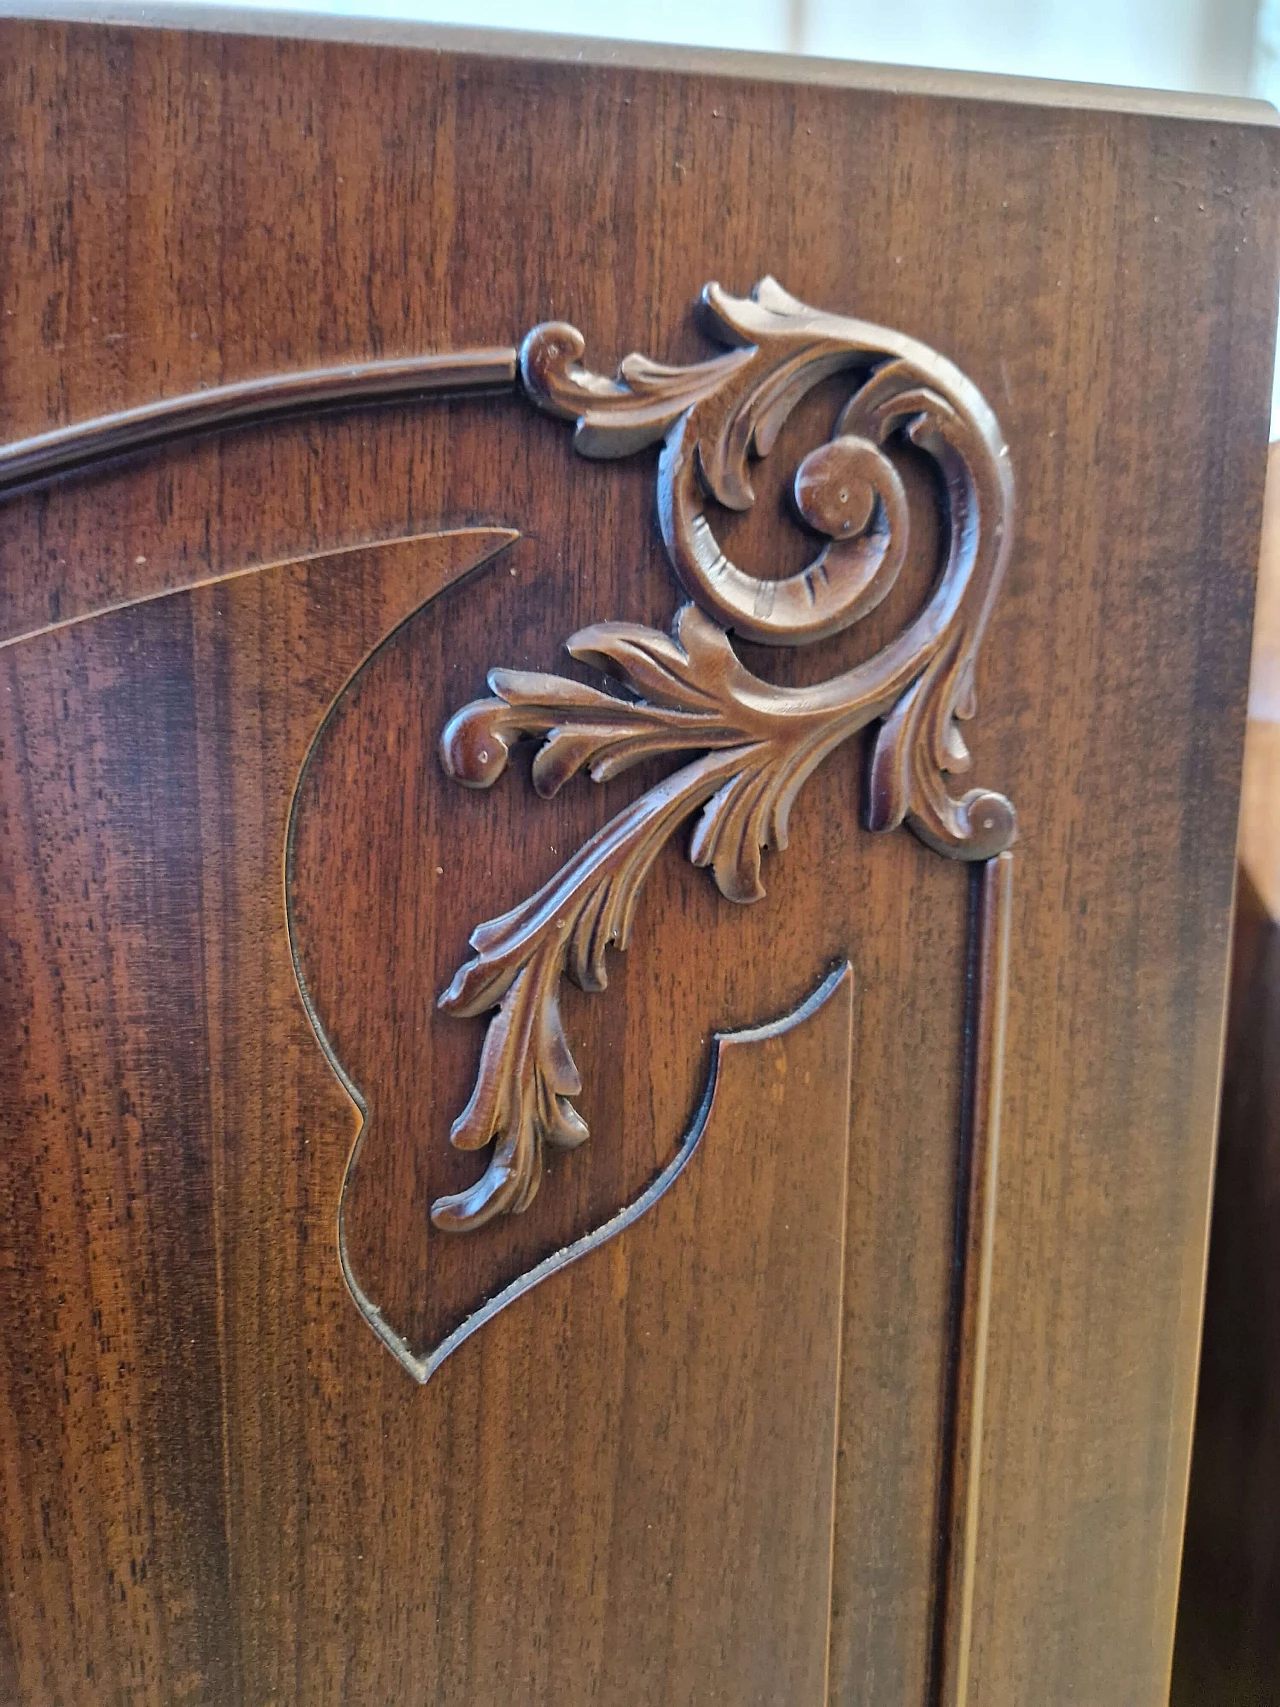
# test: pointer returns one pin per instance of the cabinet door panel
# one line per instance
(669, 1170)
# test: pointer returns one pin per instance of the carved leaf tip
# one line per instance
(918, 746)
(990, 822)
(976, 827)
(520, 1102)
(549, 358)
(680, 672)
(473, 744)
(741, 820)
(454, 998)
(902, 789)
(615, 417)
(741, 319)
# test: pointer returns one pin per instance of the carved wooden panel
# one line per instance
(397, 1319)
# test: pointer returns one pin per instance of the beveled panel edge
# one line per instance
(605, 53)
(423, 1368)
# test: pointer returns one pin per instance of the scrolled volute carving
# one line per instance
(754, 744)
(715, 416)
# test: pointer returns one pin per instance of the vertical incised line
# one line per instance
(989, 999)
(836, 1409)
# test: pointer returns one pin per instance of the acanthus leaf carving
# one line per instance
(753, 744)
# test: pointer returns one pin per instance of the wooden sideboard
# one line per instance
(405, 1294)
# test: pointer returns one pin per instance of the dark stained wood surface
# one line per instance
(164, 1100)
(185, 210)
(723, 1459)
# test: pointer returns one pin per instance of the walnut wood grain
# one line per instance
(292, 1518)
(694, 1608)
(160, 1084)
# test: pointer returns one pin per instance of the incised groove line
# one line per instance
(992, 932)
(755, 744)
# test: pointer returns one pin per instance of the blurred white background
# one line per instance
(1167, 44)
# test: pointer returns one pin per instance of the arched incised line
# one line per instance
(29, 462)
(320, 559)
(422, 590)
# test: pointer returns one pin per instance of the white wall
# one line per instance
(1163, 44)
(1170, 44)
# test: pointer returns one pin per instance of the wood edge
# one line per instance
(602, 53)
(1246, 902)
(989, 997)
(1258, 838)
(87, 444)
